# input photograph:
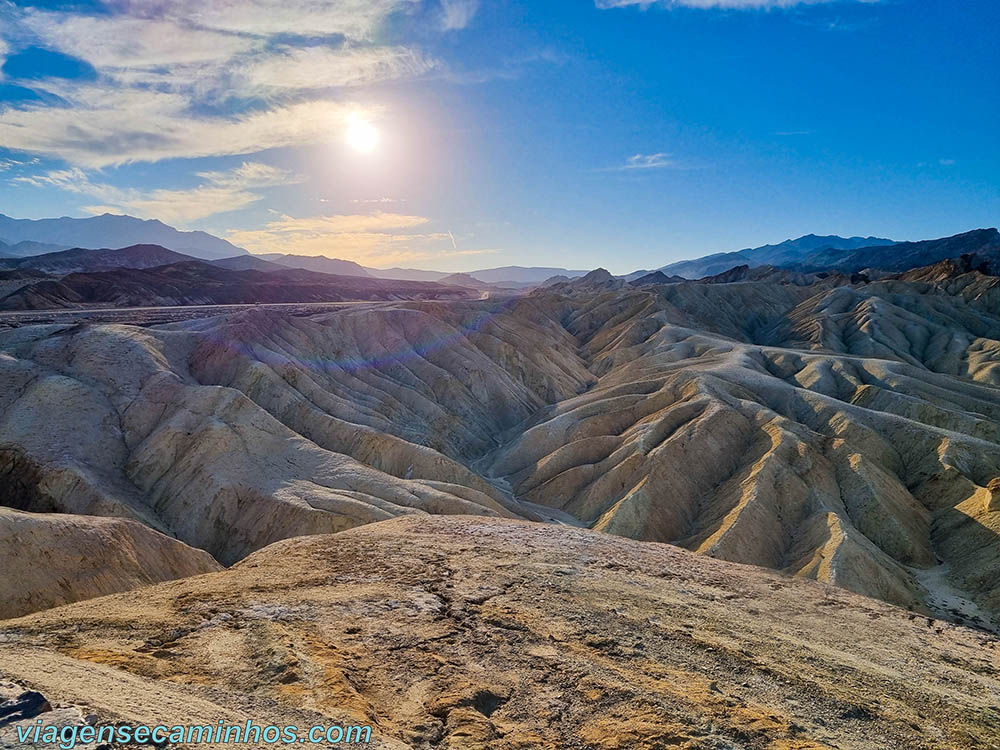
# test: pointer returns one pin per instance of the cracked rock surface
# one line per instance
(462, 632)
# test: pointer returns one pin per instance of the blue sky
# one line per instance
(574, 133)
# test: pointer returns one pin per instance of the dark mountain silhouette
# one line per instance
(467, 280)
(522, 274)
(27, 247)
(83, 260)
(773, 275)
(784, 253)
(248, 263)
(110, 230)
(904, 256)
(656, 277)
(199, 283)
(319, 263)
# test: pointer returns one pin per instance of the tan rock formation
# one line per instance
(843, 433)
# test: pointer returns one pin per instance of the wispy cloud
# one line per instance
(323, 68)
(378, 239)
(373, 201)
(732, 4)
(104, 127)
(187, 78)
(457, 14)
(220, 192)
(354, 19)
(647, 161)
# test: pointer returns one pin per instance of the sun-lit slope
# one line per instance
(857, 471)
(948, 325)
(487, 633)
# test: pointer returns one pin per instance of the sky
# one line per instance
(463, 134)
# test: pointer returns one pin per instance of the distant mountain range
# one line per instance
(320, 263)
(110, 230)
(503, 275)
(67, 245)
(22, 238)
(902, 256)
(523, 274)
(83, 260)
(248, 263)
(195, 282)
(410, 274)
(26, 248)
(784, 253)
(80, 259)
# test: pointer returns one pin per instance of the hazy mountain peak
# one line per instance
(321, 263)
(113, 231)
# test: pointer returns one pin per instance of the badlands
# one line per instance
(843, 433)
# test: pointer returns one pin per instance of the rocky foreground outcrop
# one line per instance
(486, 633)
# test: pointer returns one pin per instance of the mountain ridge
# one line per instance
(196, 282)
(778, 254)
(84, 260)
(319, 263)
(903, 256)
(115, 230)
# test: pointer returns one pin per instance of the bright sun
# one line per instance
(362, 136)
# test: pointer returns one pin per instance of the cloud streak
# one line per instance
(658, 160)
(375, 239)
(219, 192)
(457, 14)
(187, 79)
(105, 127)
(725, 4)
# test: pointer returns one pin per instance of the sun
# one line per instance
(362, 136)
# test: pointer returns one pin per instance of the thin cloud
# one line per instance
(106, 127)
(457, 14)
(659, 160)
(296, 69)
(220, 192)
(186, 78)
(378, 239)
(708, 4)
(354, 19)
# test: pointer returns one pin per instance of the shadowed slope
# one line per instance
(51, 559)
